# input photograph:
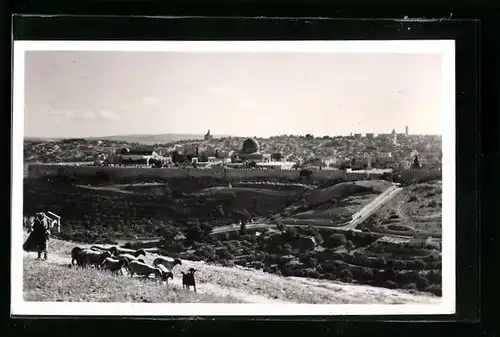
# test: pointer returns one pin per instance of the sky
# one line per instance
(103, 93)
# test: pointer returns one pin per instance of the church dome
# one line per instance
(250, 146)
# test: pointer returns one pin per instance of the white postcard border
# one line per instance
(448, 302)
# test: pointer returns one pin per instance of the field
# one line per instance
(53, 280)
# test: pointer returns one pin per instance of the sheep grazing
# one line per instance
(167, 262)
(112, 250)
(166, 273)
(129, 258)
(143, 269)
(136, 253)
(188, 279)
(114, 265)
(91, 257)
(74, 253)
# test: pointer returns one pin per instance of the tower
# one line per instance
(208, 136)
(406, 130)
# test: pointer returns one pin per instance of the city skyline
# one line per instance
(97, 94)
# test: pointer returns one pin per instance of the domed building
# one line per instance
(250, 151)
(250, 146)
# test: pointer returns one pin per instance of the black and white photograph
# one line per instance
(233, 178)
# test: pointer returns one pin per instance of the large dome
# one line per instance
(250, 146)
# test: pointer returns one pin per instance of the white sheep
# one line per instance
(166, 273)
(91, 257)
(167, 262)
(143, 269)
(112, 250)
(129, 257)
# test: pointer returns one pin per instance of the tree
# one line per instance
(244, 216)
(176, 156)
(276, 156)
(220, 210)
(279, 223)
(337, 239)
(197, 232)
(416, 163)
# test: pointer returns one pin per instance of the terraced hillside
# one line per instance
(418, 209)
(334, 205)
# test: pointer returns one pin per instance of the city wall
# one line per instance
(47, 170)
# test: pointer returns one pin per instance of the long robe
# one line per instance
(37, 240)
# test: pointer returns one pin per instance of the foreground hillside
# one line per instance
(54, 280)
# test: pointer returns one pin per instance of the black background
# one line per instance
(477, 49)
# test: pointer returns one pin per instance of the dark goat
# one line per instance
(74, 254)
(188, 279)
(91, 257)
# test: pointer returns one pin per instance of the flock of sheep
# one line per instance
(115, 259)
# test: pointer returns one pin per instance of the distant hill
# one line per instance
(152, 139)
(143, 139)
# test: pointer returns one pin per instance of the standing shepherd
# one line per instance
(38, 239)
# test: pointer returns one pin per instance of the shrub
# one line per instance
(329, 276)
(312, 274)
(434, 276)
(287, 249)
(360, 260)
(348, 258)
(345, 273)
(410, 286)
(299, 272)
(226, 263)
(231, 247)
(366, 275)
(336, 240)
(390, 284)
(312, 262)
(435, 289)
(329, 265)
(337, 256)
(419, 264)
(422, 282)
(399, 265)
(177, 247)
(260, 256)
(208, 251)
(223, 253)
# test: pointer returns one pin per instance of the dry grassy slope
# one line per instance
(53, 280)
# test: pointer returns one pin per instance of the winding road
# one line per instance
(358, 218)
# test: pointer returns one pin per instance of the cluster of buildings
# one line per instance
(357, 151)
